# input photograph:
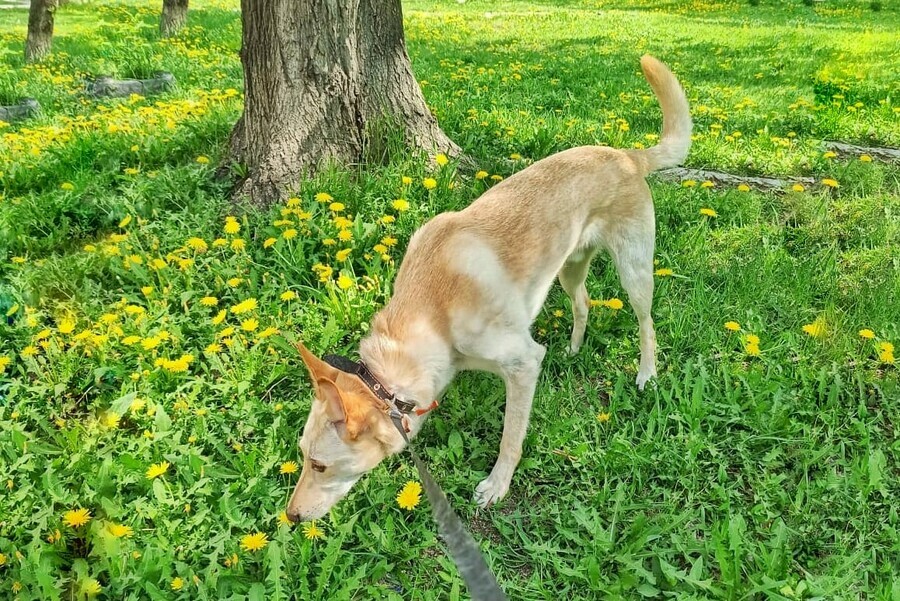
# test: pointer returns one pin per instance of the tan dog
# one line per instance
(469, 287)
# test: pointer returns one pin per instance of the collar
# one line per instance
(398, 410)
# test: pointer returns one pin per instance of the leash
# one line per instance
(480, 581)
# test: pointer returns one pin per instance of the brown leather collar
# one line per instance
(397, 409)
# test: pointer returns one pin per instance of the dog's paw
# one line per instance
(643, 378)
(490, 491)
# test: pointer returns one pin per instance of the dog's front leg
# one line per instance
(520, 372)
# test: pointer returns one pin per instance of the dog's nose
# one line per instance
(293, 517)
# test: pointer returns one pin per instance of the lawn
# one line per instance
(150, 398)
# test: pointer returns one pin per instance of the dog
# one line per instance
(468, 289)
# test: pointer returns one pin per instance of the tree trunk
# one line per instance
(173, 17)
(40, 29)
(324, 81)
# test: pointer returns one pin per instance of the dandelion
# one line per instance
(219, 242)
(288, 295)
(323, 197)
(400, 205)
(270, 331)
(76, 518)
(255, 541)
(707, 184)
(342, 254)
(345, 235)
(213, 348)
(441, 159)
(798, 188)
(125, 221)
(209, 301)
(829, 154)
(4, 363)
(234, 282)
(29, 351)
(66, 326)
(119, 530)
(232, 226)
(406, 180)
(157, 469)
(150, 343)
(345, 282)
(283, 519)
(312, 532)
(708, 212)
(90, 587)
(269, 242)
(688, 183)
(732, 326)
(67, 186)
(886, 352)
(409, 497)
(481, 175)
(329, 241)
(388, 219)
(203, 160)
(248, 325)
(219, 318)
(603, 417)
(129, 340)
(177, 584)
(815, 329)
(429, 183)
(743, 188)
(245, 306)
(389, 241)
(288, 467)
(865, 158)
(289, 234)
(614, 303)
(831, 183)
(663, 272)
(198, 244)
(867, 334)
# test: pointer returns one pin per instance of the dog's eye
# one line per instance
(318, 466)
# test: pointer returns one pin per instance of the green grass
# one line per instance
(733, 477)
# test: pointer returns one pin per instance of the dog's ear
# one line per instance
(344, 409)
(318, 369)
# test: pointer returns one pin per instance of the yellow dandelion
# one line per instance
(867, 334)
(323, 197)
(245, 306)
(829, 154)
(219, 318)
(708, 184)
(4, 362)
(481, 175)
(865, 158)
(708, 212)
(743, 188)
(288, 295)
(441, 159)
(234, 282)
(345, 282)
(688, 183)
(345, 235)
(732, 326)
(401, 204)
(90, 587)
(429, 183)
(213, 348)
(119, 530)
(603, 417)
(798, 188)
(125, 221)
(76, 518)
(283, 519)
(157, 469)
(248, 325)
(663, 272)
(198, 244)
(831, 183)
(752, 339)
(232, 227)
(752, 349)
(203, 160)
(815, 329)
(289, 467)
(209, 301)
(336, 207)
(342, 254)
(312, 532)
(255, 541)
(66, 326)
(29, 351)
(177, 584)
(269, 242)
(67, 186)
(410, 496)
(270, 331)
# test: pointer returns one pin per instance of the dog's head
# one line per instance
(345, 436)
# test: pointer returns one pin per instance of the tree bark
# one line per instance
(324, 80)
(173, 17)
(40, 29)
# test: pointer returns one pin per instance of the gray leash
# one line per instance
(463, 549)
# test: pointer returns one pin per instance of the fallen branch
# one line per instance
(882, 154)
(720, 178)
(29, 107)
(109, 87)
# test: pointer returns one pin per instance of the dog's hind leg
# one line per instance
(519, 366)
(571, 278)
(632, 252)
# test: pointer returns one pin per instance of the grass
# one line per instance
(738, 475)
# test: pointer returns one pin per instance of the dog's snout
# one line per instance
(293, 516)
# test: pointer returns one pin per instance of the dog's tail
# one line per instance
(676, 132)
